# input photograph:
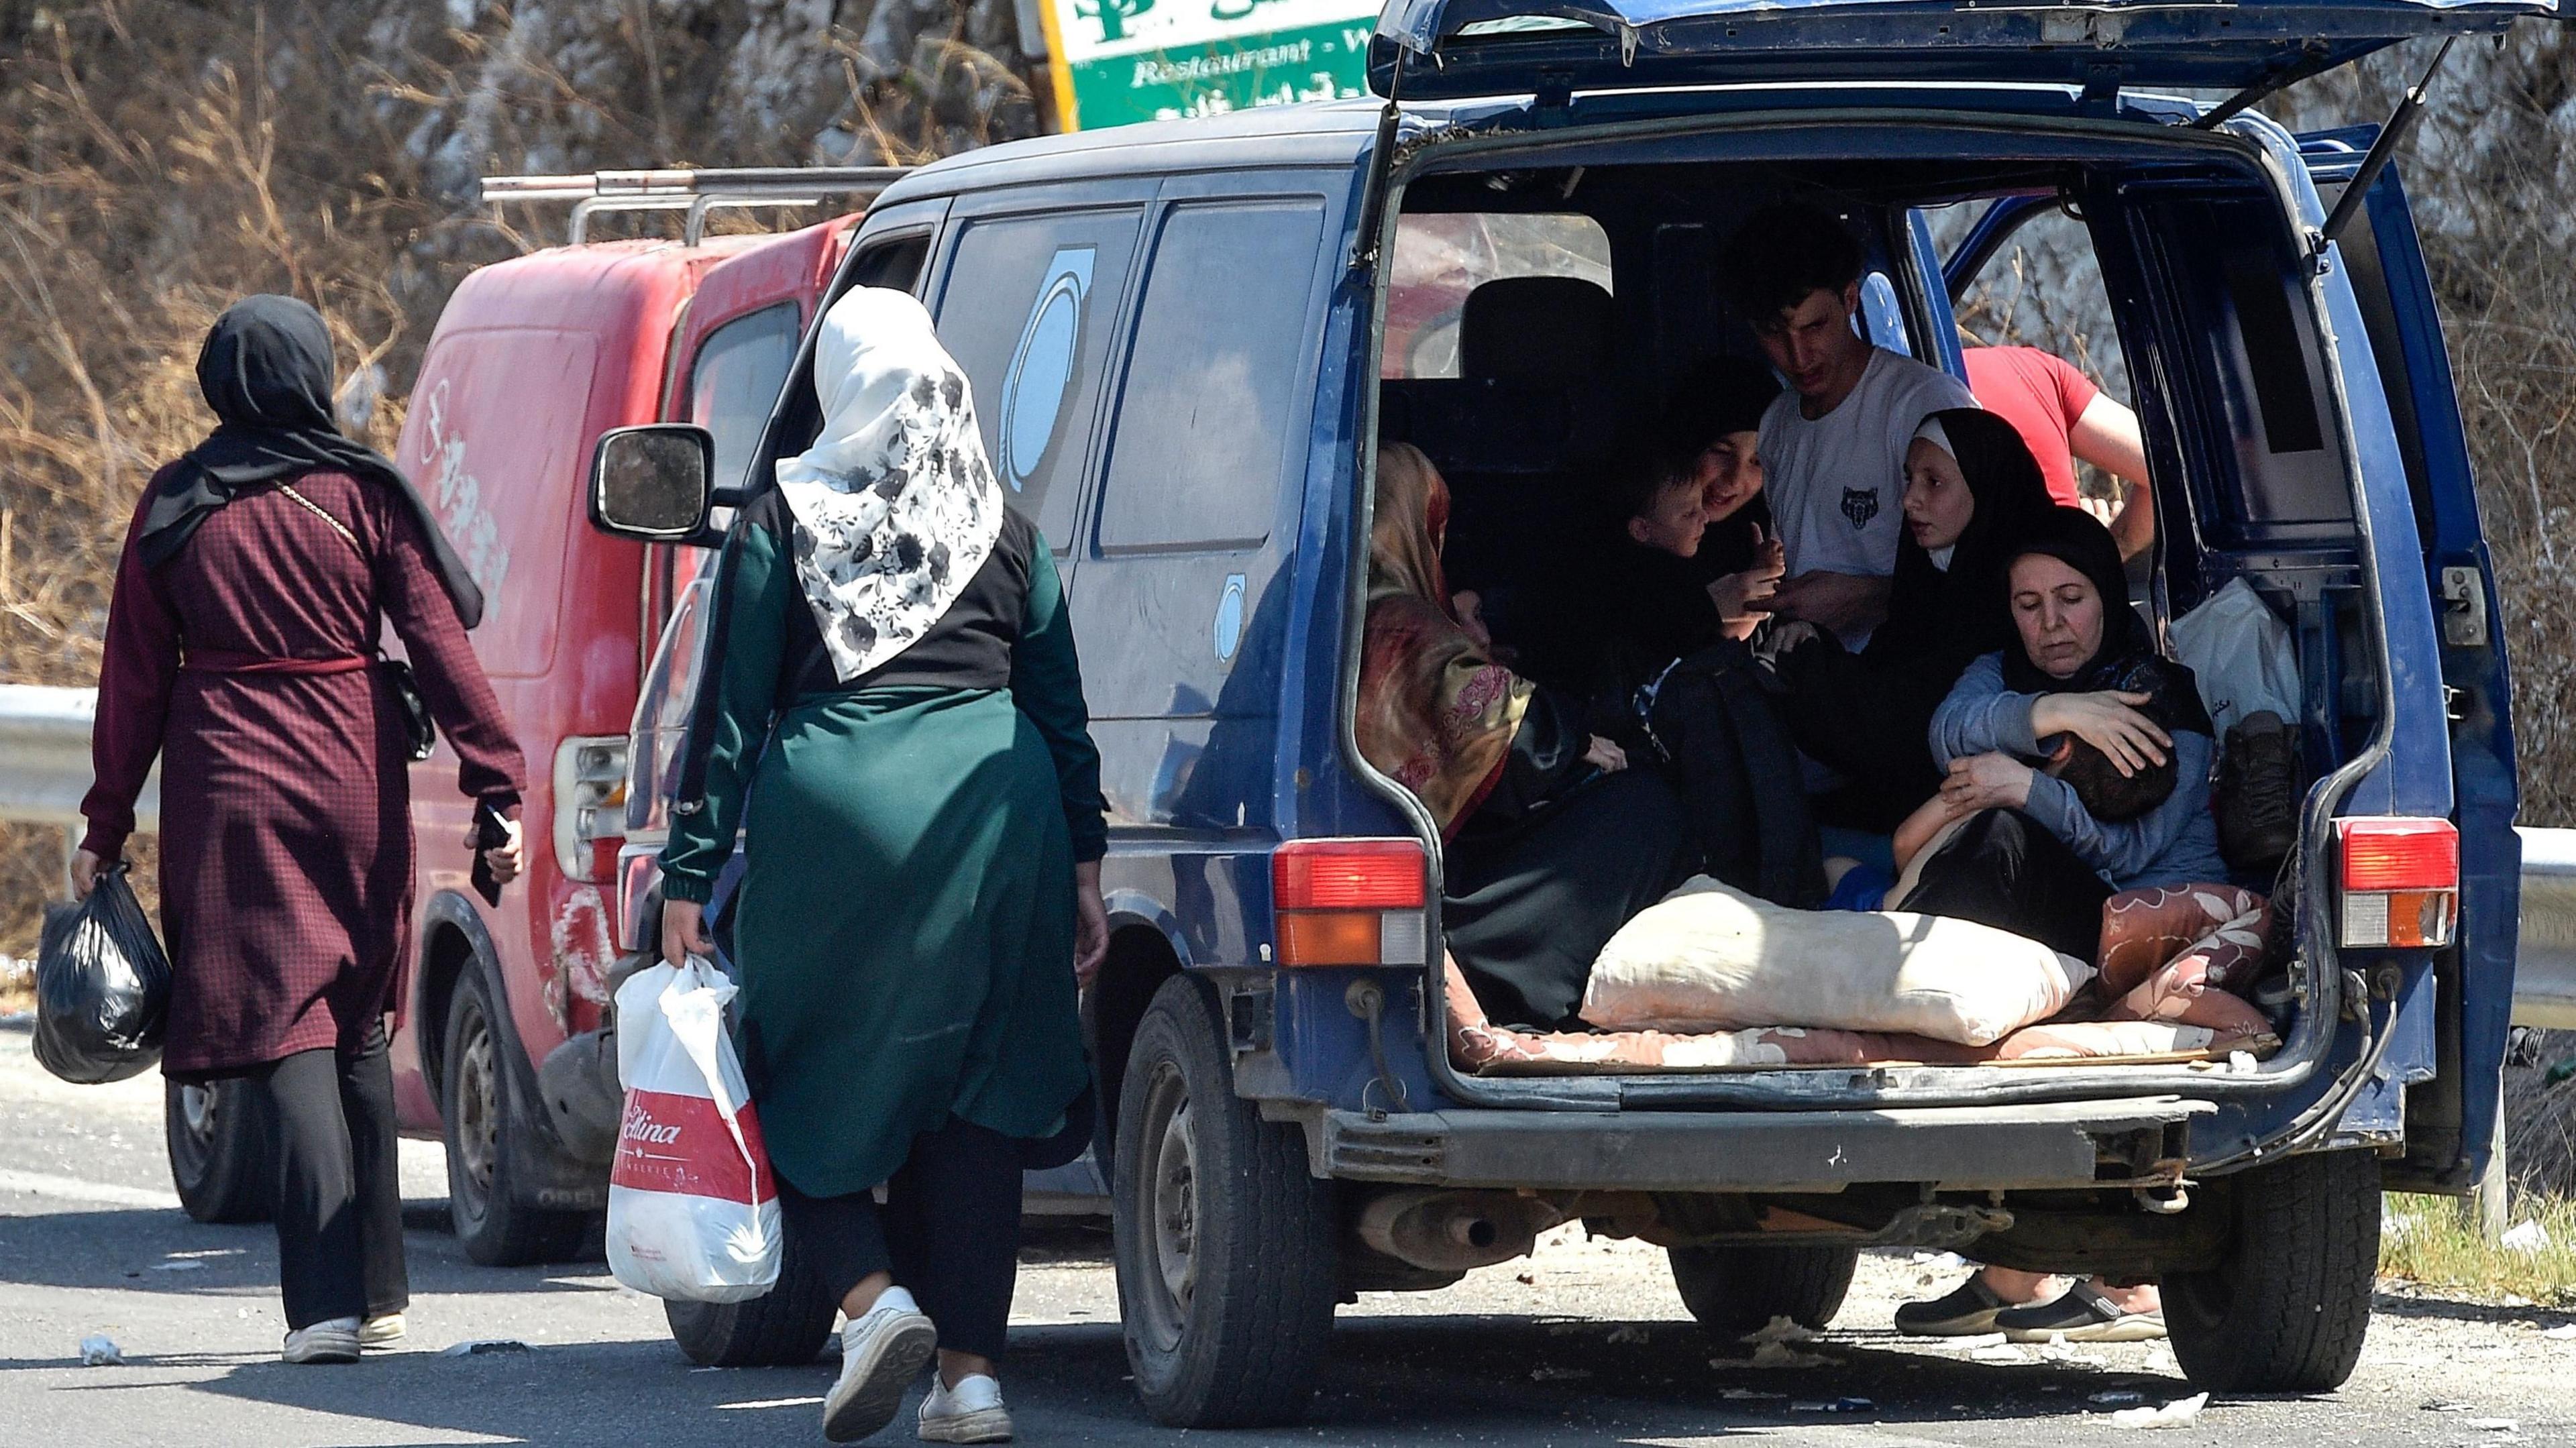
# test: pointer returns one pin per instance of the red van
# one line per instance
(532, 360)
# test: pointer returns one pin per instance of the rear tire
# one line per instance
(784, 1327)
(220, 1155)
(2286, 1311)
(1734, 1290)
(1227, 1269)
(496, 1228)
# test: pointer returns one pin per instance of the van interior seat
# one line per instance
(1517, 431)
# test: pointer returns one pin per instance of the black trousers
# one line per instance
(2005, 869)
(1738, 775)
(339, 1187)
(949, 1232)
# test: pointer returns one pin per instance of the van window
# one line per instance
(1027, 309)
(734, 380)
(2262, 368)
(1218, 365)
(1442, 256)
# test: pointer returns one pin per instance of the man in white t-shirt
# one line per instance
(1833, 445)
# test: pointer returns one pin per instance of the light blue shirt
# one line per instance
(2176, 843)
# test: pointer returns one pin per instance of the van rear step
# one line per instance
(2140, 1140)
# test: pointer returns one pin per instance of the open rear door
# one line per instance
(1457, 48)
(2450, 1121)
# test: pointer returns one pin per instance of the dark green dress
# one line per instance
(904, 934)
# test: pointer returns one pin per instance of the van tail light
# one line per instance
(2401, 881)
(1351, 902)
(589, 804)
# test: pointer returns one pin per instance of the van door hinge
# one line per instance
(1555, 93)
(2464, 608)
(2101, 89)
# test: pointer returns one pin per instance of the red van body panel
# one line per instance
(532, 360)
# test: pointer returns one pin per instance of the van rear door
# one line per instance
(1458, 48)
(2451, 1119)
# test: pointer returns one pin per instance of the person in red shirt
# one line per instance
(2064, 418)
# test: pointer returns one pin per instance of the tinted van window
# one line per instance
(1027, 310)
(1219, 363)
(734, 381)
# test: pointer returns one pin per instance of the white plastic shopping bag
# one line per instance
(2239, 652)
(692, 1208)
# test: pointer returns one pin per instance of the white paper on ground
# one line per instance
(2177, 1414)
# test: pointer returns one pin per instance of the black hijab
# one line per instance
(2127, 658)
(1946, 617)
(266, 371)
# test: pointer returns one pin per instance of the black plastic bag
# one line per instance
(102, 987)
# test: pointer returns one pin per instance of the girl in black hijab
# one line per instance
(1971, 489)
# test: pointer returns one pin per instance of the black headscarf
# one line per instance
(2127, 658)
(1947, 617)
(266, 371)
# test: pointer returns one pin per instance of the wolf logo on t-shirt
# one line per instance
(1860, 505)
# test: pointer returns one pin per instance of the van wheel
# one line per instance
(495, 1227)
(2286, 1309)
(219, 1150)
(1734, 1290)
(1224, 1241)
(783, 1327)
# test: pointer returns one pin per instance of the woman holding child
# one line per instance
(2122, 803)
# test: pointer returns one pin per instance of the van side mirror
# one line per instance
(653, 483)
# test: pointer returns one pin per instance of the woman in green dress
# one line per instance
(893, 713)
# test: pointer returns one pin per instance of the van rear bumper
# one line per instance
(2142, 1140)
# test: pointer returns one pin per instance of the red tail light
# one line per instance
(1348, 875)
(1350, 902)
(2401, 881)
(2400, 854)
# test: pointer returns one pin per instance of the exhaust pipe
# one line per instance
(1452, 1231)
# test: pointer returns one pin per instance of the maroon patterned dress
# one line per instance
(286, 846)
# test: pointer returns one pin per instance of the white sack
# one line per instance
(2239, 652)
(1709, 958)
(692, 1207)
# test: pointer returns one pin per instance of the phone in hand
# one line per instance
(490, 832)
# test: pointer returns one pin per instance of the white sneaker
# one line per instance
(383, 1330)
(970, 1412)
(881, 1354)
(334, 1340)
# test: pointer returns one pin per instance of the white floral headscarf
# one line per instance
(895, 506)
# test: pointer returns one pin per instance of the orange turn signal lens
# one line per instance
(1329, 937)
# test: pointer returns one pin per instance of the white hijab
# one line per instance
(895, 506)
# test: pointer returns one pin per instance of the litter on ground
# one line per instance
(483, 1346)
(2177, 1414)
(98, 1350)
(1782, 1329)
(2116, 1399)
(2529, 1238)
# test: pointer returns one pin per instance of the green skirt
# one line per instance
(904, 932)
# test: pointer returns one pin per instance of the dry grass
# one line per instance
(2430, 1240)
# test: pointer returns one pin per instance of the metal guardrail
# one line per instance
(45, 769)
(2544, 977)
(44, 757)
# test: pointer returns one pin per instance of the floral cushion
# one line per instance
(2143, 930)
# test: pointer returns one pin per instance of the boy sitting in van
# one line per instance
(1832, 447)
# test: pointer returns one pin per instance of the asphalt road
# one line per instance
(1585, 1343)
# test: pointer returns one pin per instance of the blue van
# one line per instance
(1186, 341)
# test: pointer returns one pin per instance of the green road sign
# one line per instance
(1117, 61)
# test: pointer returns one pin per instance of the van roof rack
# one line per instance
(695, 191)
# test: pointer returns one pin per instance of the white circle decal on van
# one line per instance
(1041, 375)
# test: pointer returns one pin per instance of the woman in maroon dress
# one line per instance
(257, 578)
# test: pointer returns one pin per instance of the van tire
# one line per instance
(1734, 1290)
(478, 1116)
(2285, 1310)
(1209, 1193)
(784, 1327)
(220, 1161)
